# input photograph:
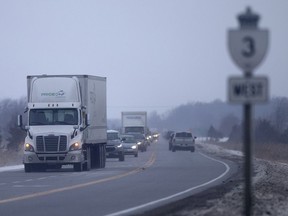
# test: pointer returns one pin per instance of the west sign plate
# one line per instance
(248, 90)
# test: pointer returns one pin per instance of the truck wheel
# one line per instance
(121, 157)
(77, 167)
(41, 167)
(28, 168)
(87, 164)
(102, 156)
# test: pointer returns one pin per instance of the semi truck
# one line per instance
(134, 122)
(66, 122)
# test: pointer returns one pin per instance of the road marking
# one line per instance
(30, 186)
(130, 210)
(45, 193)
(42, 178)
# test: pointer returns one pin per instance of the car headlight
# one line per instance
(119, 146)
(134, 147)
(29, 147)
(75, 146)
(138, 143)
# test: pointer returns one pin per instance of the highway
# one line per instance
(157, 177)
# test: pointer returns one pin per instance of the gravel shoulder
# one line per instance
(270, 190)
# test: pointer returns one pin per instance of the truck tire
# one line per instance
(102, 156)
(77, 167)
(87, 155)
(28, 168)
(121, 157)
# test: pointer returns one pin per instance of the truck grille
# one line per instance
(51, 143)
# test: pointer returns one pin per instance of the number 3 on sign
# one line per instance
(249, 49)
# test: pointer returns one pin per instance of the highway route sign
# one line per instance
(247, 47)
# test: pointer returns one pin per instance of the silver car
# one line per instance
(114, 147)
(130, 145)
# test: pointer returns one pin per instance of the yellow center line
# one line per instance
(149, 163)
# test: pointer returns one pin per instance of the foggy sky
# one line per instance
(156, 54)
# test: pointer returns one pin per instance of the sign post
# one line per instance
(247, 46)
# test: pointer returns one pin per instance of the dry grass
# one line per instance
(273, 152)
(10, 158)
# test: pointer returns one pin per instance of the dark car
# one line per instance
(141, 141)
(114, 147)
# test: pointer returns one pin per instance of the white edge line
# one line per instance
(177, 194)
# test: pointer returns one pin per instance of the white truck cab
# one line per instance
(66, 122)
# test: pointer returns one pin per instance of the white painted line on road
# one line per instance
(30, 186)
(72, 187)
(42, 178)
(130, 210)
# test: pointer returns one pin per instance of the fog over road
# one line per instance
(155, 178)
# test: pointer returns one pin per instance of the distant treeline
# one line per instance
(215, 119)
(218, 119)
(11, 137)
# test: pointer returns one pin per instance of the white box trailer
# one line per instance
(134, 122)
(67, 122)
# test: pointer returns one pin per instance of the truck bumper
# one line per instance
(184, 147)
(56, 158)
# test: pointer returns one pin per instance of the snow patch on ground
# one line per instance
(10, 168)
(270, 189)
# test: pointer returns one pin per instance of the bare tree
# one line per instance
(227, 123)
(280, 114)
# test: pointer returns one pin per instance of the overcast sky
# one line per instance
(156, 54)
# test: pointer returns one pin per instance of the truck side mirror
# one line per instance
(87, 120)
(19, 121)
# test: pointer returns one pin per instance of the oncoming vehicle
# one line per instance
(141, 141)
(183, 141)
(170, 141)
(130, 145)
(66, 122)
(114, 147)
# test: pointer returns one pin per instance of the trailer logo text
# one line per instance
(60, 93)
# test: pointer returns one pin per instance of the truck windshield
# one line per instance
(53, 117)
(112, 136)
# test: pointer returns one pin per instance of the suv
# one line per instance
(114, 147)
(183, 141)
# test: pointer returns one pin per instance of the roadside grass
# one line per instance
(10, 158)
(268, 151)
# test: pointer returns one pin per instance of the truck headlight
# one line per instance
(75, 146)
(29, 147)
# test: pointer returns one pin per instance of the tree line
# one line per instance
(215, 119)
(219, 119)
(11, 136)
